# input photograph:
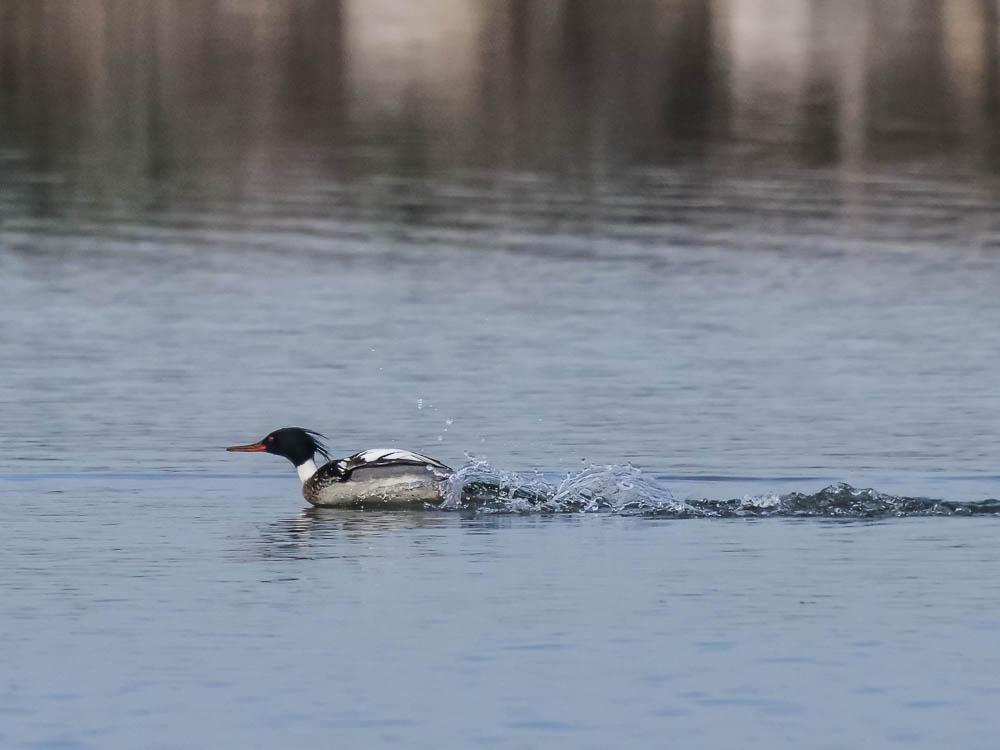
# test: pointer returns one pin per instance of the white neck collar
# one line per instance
(306, 470)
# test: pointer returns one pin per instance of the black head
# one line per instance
(294, 443)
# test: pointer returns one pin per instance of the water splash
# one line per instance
(616, 489)
(625, 490)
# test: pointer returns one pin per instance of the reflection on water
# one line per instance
(202, 114)
(333, 532)
(323, 533)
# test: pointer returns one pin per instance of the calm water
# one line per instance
(679, 255)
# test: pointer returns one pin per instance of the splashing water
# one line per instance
(624, 490)
(618, 489)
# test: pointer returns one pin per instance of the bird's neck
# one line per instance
(306, 469)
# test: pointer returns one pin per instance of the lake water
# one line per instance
(671, 272)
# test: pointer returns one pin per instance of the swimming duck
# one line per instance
(382, 476)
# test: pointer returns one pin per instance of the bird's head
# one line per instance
(294, 443)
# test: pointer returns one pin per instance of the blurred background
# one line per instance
(147, 102)
(708, 236)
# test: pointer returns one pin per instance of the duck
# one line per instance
(374, 477)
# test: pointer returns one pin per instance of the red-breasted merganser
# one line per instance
(378, 475)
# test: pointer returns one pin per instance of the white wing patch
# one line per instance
(390, 455)
(387, 457)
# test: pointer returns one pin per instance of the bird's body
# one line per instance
(383, 477)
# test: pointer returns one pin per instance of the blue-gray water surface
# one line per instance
(665, 277)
